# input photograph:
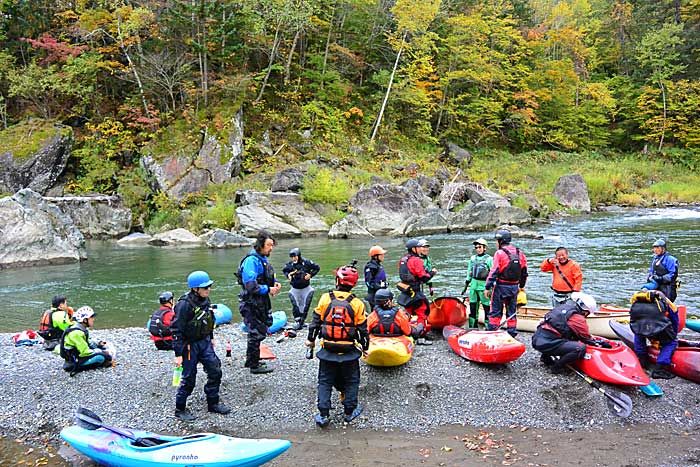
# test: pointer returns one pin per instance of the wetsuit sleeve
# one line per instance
(168, 317)
(63, 323)
(577, 275)
(671, 265)
(403, 320)
(523, 277)
(469, 269)
(372, 320)
(289, 267)
(546, 266)
(76, 339)
(578, 326)
(315, 325)
(361, 322)
(312, 268)
(183, 314)
(416, 267)
(250, 272)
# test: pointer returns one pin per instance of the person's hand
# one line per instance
(290, 275)
(102, 344)
(434, 271)
(275, 289)
(307, 276)
(551, 260)
(382, 284)
(178, 361)
(603, 344)
(655, 277)
(487, 293)
(309, 343)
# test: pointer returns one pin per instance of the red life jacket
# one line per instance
(387, 323)
(338, 325)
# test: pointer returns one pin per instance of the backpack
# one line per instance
(512, 272)
(46, 328)
(338, 325)
(156, 327)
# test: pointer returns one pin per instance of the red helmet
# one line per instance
(346, 275)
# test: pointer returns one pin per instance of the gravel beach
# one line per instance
(434, 392)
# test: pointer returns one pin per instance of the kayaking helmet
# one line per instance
(295, 252)
(383, 296)
(423, 242)
(660, 242)
(376, 250)
(198, 279)
(503, 236)
(346, 275)
(411, 244)
(83, 313)
(480, 241)
(165, 297)
(584, 301)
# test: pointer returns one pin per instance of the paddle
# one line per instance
(91, 421)
(652, 390)
(620, 404)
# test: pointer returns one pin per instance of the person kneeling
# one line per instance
(77, 350)
(340, 320)
(654, 317)
(387, 320)
(564, 332)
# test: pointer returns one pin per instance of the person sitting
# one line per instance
(77, 350)
(387, 320)
(54, 321)
(564, 332)
(341, 322)
(159, 325)
(653, 316)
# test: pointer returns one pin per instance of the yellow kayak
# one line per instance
(389, 351)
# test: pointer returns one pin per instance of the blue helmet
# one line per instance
(198, 279)
(660, 242)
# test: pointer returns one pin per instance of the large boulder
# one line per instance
(571, 191)
(220, 238)
(25, 166)
(176, 237)
(433, 221)
(184, 170)
(96, 216)
(381, 209)
(289, 179)
(135, 239)
(282, 214)
(35, 232)
(486, 215)
(348, 227)
(453, 154)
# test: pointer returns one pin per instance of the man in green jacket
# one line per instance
(54, 321)
(478, 269)
(77, 350)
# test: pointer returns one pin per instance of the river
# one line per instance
(122, 284)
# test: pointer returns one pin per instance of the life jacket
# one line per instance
(406, 276)
(661, 270)
(46, 328)
(71, 354)
(512, 272)
(338, 325)
(374, 273)
(558, 319)
(480, 270)
(157, 326)
(649, 317)
(202, 324)
(387, 325)
(267, 277)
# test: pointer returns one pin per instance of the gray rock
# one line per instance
(290, 179)
(253, 218)
(96, 216)
(432, 186)
(40, 171)
(283, 214)
(175, 237)
(414, 186)
(453, 154)
(452, 195)
(349, 227)
(220, 238)
(381, 209)
(433, 221)
(478, 193)
(35, 232)
(486, 215)
(182, 173)
(571, 191)
(136, 238)
(442, 175)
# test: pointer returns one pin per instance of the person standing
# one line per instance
(375, 276)
(478, 269)
(507, 277)
(299, 271)
(653, 316)
(413, 275)
(161, 319)
(663, 271)
(567, 276)
(340, 321)
(55, 321)
(424, 253)
(256, 276)
(193, 343)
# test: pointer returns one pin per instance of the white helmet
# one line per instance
(83, 313)
(584, 301)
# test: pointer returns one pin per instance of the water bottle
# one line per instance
(228, 349)
(177, 375)
(309, 353)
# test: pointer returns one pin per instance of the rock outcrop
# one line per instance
(96, 216)
(35, 232)
(571, 191)
(281, 214)
(220, 238)
(176, 237)
(381, 209)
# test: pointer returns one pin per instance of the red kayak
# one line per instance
(496, 347)
(606, 308)
(685, 361)
(446, 311)
(618, 365)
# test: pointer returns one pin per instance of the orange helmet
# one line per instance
(376, 250)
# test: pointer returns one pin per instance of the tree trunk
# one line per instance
(288, 66)
(663, 122)
(443, 100)
(131, 65)
(388, 91)
(328, 46)
(273, 52)
(677, 8)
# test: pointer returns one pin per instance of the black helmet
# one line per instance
(295, 252)
(165, 297)
(411, 244)
(382, 296)
(660, 242)
(503, 236)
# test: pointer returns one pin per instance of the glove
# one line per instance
(432, 291)
(268, 319)
(656, 277)
(603, 344)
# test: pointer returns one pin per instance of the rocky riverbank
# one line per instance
(436, 388)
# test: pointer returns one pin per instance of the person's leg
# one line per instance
(189, 377)
(421, 310)
(473, 313)
(663, 360)
(496, 309)
(351, 382)
(568, 352)
(307, 303)
(212, 366)
(326, 377)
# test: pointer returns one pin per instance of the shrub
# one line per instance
(324, 186)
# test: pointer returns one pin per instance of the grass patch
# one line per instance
(675, 192)
(325, 186)
(26, 139)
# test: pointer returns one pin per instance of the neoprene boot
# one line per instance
(353, 415)
(261, 370)
(322, 420)
(184, 415)
(219, 408)
(662, 373)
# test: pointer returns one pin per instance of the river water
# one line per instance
(122, 284)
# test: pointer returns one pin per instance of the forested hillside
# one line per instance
(572, 75)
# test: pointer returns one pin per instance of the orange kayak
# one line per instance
(447, 311)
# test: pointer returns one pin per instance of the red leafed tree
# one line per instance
(57, 51)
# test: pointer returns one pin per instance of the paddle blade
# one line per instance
(652, 390)
(87, 419)
(620, 404)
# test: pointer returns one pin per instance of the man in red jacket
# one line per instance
(413, 275)
(507, 276)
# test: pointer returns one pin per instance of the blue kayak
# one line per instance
(222, 313)
(693, 324)
(279, 321)
(203, 449)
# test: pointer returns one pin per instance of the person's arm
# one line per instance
(547, 265)
(64, 322)
(523, 270)
(77, 340)
(493, 273)
(289, 267)
(372, 320)
(403, 321)
(470, 264)
(183, 314)
(578, 326)
(671, 265)
(315, 324)
(577, 275)
(361, 323)
(313, 268)
(250, 277)
(415, 267)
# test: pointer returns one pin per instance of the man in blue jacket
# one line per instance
(257, 279)
(663, 271)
